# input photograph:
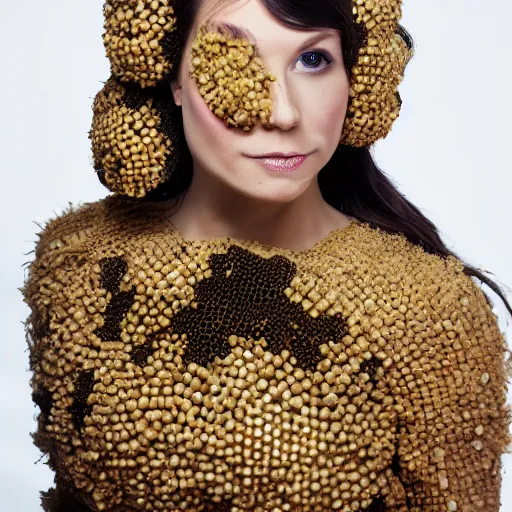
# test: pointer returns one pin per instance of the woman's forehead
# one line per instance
(250, 20)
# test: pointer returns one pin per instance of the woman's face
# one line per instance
(309, 102)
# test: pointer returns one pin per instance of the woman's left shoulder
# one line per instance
(446, 287)
(435, 280)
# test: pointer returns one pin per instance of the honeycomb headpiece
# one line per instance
(134, 140)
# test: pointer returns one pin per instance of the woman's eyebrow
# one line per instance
(239, 32)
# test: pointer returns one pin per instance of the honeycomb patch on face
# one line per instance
(231, 76)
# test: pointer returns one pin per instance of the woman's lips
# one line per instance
(282, 164)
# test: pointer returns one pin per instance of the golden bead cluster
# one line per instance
(374, 103)
(129, 147)
(231, 78)
(135, 37)
(228, 375)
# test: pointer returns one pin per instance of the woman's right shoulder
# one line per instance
(97, 225)
(80, 234)
(71, 245)
(78, 225)
(84, 234)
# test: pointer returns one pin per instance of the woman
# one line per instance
(239, 331)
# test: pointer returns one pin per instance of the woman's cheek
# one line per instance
(203, 126)
(333, 110)
(206, 130)
(334, 118)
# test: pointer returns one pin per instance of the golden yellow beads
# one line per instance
(374, 102)
(231, 79)
(228, 375)
(130, 147)
(136, 39)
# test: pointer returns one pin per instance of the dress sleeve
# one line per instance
(450, 385)
(60, 254)
(55, 272)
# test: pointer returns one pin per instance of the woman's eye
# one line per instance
(312, 59)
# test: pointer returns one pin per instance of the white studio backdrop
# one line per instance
(448, 153)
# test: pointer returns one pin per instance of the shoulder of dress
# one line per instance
(71, 245)
(86, 233)
(440, 284)
(452, 303)
(68, 239)
(73, 228)
(444, 283)
(62, 239)
(389, 253)
(96, 225)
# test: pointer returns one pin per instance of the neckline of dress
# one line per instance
(336, 232)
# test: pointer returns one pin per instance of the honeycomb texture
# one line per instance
(137, 39)
(374, 102)
(362, 374)
(133, 139)
(231, 78)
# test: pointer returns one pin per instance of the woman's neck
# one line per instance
(215, 212)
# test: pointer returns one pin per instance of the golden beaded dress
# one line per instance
(363, 374)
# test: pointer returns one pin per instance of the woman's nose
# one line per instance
(285, 113)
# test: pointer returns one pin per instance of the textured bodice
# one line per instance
(227, 375)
